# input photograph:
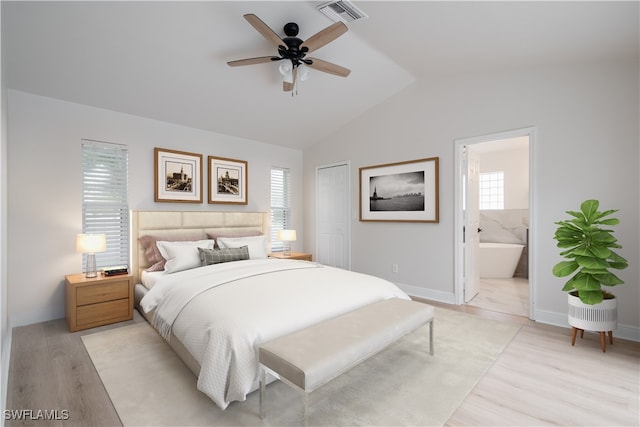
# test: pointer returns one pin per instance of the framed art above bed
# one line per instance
(227, 181)
(178, 176)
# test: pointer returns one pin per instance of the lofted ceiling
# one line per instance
(167, 60)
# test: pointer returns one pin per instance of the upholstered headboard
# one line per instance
(188, 223)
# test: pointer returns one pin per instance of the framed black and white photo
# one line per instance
(403, 191)
(178, 176)
(227, 181)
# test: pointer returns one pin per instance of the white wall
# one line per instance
(586, 118)
(44, 179)
(515, 165)
(5, 328)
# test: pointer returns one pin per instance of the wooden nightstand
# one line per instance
(98, 301)
(294, 255)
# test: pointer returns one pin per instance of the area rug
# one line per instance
(401, 386)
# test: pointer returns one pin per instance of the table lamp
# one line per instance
(287, 236)
(90, 244)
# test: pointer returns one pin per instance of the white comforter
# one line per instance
(223, 312)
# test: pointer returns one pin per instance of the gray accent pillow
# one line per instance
(217, 256)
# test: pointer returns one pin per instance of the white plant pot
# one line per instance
(602, 317)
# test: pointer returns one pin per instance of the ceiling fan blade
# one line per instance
(288, 86)
(251, 61)
(264, 29)
(328, 67)
(324, 37)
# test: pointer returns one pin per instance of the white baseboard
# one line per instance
(625, 332)
(430, 294)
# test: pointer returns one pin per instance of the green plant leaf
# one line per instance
(608, 279)
(591, 262)
(605, 213)
(564, 268)
(568, 253)
(591, 297)
(589, 208)
(566, 245)
(594, 271)
(610, 221)
(603, 237)
(600, 251)
(582, 250)
(617, 258)
(566, 234)
(584, 282)
(618, 265)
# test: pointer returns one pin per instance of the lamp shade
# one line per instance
(287, 235)
(91, 243)
(286, 69)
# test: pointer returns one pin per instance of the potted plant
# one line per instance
(588, 247)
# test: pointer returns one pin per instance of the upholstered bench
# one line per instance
(311, 357)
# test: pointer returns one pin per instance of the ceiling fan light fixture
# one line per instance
(293, 51)
(303, 72)
(286, 70)
(285, 67)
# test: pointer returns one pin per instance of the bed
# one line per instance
(215, 316)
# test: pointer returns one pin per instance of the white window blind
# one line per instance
(280, 205)
(105, 206)
(492, 190)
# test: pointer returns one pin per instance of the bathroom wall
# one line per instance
(511, 224)
(508, 225)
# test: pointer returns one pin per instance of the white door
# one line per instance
(471, 223)
(332, 224)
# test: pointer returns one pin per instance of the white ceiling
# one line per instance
(167, 60)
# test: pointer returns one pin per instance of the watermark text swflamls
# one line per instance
(36, 414)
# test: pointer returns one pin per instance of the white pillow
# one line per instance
(257, 245)
(182, 255)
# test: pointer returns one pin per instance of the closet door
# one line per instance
(333, 244)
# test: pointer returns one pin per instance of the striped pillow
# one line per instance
(217, 256)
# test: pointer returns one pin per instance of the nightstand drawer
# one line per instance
(101, 292)
(102, 313)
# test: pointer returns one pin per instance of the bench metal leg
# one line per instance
(263, 380)
(431, 337)
(305, 409)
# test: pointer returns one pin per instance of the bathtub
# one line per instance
(499, 260)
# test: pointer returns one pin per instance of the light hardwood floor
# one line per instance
(538, 380)
(503, 295)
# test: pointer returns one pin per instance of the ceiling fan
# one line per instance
(294, 51)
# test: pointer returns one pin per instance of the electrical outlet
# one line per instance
(394, 268)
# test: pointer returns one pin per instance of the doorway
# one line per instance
(498, 217)
(333, 225)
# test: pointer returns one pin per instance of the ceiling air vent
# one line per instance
(342, 10)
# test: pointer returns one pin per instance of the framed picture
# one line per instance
(227, 181)
(404, 191)
(178, 176)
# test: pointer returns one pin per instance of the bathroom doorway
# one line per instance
(493, 218)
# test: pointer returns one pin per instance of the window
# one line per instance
(492, 190)
(105, 207)
(280, 205)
